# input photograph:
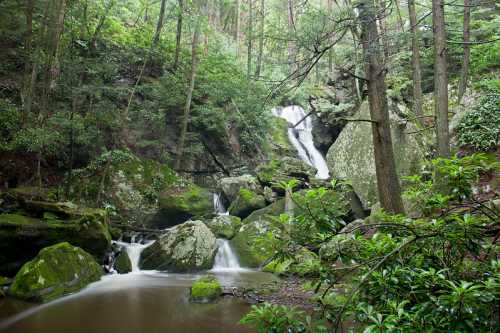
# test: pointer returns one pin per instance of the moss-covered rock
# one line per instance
(224, 226)
(339, 247)
(304, 263)
(22, 236)
(257, 223)
(182, 203)
(231, 185)
(283, 170)
(5, 281)
(189, 246)
(56, 271)
(351, 156)
(123, 264)
(246, 202)
(205, 289)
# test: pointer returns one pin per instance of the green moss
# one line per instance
(56, 271)
(123, 264)
(246, 202)
(205, 289)
(4, 280)
(225, 226)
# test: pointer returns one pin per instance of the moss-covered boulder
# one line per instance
(231, 185)
(187, 247)
(257, 223)
(341, 246)
(224, 226)
(246, 202)
(4, 281)
(206, 289)
(179, 204)
(123, 264)
(283, 170)
(23, 236)
(351, 156)
(304, 263)
(56, 271)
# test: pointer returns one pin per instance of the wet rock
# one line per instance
(231, 185)
(56, 271)
(351, 156)
(182, 203)
(123, 265)
(206, 289)
(23, 236)
(224, 226)
(189, 246)
(246, 202)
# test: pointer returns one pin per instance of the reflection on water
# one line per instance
(136, 302)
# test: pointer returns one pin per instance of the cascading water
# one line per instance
(225, 259)
(219, 207)
(302, 139)
(134, 250)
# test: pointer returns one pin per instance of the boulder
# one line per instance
(283, 170)
(304, 263)
(246, 202)
(23, 236)
(56, 271)
(231, 185)
(189, 246)
(206, 289)
(257, 223)
(224, 226)
(179, 204)
(123, 265)
(341, 245)
(351, 156)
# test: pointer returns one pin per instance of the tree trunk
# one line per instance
(159, 25)
(329, 7)
(28, 65)
(291, 44)
(389, 191)
(93, 41)
(187, 108)
(178, 35)
(440, 79)
(249, 39)
(415, 62)
(261, 39)
(462, 86)
(237, 29)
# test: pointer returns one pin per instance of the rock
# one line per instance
(246, 202)
(304, 263)
(187, 247)
(224, 226)
(278, 145)
(283, 170)
(339, 246)
(123, 265)
(206, 289)
(4, 281)
(257, 223)
(182, 203)
(56, 271)
(351, 156)
(232, 185)
(22, 236)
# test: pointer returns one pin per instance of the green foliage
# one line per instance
(480, 128)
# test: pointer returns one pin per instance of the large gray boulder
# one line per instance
(351, 156)
(231, 185)
(187, 247)
(225, 226)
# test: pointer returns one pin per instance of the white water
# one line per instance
(226, 259)
(134, 251)
(302, 139)
(219, 207)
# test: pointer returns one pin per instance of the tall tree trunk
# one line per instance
(261, 39)
(178, 34)
(291, 44)
(389, 191)
(93, 40)
(159, 25)
(462, 86)
(329, 7)
(249, 39)
(187, 108)
(28, 65)
(415, 62)
(440, 79)
(237, 29)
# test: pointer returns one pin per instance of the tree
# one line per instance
(291, 44)
(178, 34)
(462, 86)
(440, 79)
(389, 191)
(415, 61)
(237, 27)
(261, 39)
(189, 97)
(249, 39)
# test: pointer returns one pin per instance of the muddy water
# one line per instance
(137, 302)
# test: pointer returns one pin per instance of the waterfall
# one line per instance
(219, 207)
(302, 139)
(134, 250)
(225, 259)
